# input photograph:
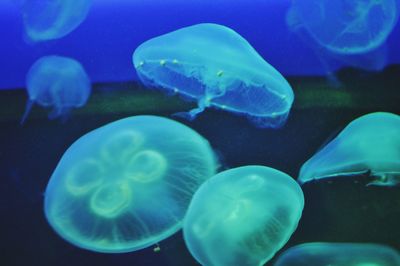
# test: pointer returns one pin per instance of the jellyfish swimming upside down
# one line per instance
(217, 67)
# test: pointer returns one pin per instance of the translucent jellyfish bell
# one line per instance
(369, 145)
(345, 26)
(242, 216)
(339, 254)
(48, 20)
(57, 81)
(127, 185)
(217, 67)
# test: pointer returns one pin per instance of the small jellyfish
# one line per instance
(127, 185)
(57, 81)
(242, 216)
(217, 67)
(369, 146)
(339, 254)
(345, 26)
(49, 20)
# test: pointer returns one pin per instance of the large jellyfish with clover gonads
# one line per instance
(127, 185)
(242, 216)
(345, 26)
(369, 146)
(57, 81)
(48, 20)
(339, 254)
(215, 66)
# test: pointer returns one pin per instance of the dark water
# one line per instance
(342, 211)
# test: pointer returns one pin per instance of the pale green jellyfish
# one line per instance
(242, 216)
(339, 254)
(127, 185)
(369, 146)
(217, 67)
(48, 20)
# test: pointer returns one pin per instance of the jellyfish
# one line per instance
(368, 146)
(215, 66)
(242, 216)
(339, 254)
(49, 20)
(345, 26)
(57, 81)
(350, 32)
(127, 185)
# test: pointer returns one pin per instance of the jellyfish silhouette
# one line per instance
(217, 67)
(127, 185)
(48, 20)
(242, 216)
(345, 26)
(57, 81)
(339, 254)
(368, 146)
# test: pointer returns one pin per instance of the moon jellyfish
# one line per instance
(242, 216)
(345, 32)
(57, 81)
(217, 67)
(339, 254)
(127, 185)
(345, 26)
(49, 20)
(369, 145)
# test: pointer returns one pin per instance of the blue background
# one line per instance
(105, 41)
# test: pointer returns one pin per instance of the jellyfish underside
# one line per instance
(367, 148)
(237, 80)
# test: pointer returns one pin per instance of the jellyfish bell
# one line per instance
(368, 147)
(135, 198)
(217, 67)
(345, 33)
(338, 254)
(344, 26)
(49, 20)
(59, 82)
(242, 216)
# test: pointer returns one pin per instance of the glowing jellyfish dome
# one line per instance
(339, 254)
(49, 20)
(215, 66)
(369, 145)
(57, 81)
(242, 216)
(128, 184)
(345, 26)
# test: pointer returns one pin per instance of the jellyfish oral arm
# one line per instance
(391, 179)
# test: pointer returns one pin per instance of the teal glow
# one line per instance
(57, 81)
(369, 143)
(49, 20)
(242, 216)
(339, 254)
(127, 185)
(217, 67)
(345, 26)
